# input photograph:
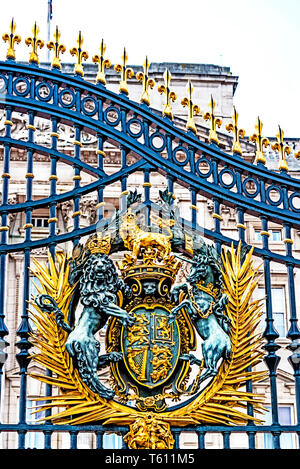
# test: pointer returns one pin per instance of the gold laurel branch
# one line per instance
(224, 401)
(78, 403)
(49, 339)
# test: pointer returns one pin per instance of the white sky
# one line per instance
(258, 39)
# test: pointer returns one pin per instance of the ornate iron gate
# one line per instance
(155, 145)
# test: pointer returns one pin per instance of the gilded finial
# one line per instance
(11, 38)
(34, 42)
(261, 142)
(147, 82)
(297, 155)
(103, 63)
(214, 121)
(193, 109)
(57, 48)
(126, 72)
(282, 149)
(170, 95)
(81, 54)
(238, 133)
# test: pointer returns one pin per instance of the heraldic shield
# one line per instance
(151, 346)
(151, 350)
(152, 324)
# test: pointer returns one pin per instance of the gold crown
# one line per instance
(153, 247)
(98, 243)
(150, 267)
(209, 288)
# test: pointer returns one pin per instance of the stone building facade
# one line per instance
(207, 80)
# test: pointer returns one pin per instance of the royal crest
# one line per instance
(148, 346)
(154, 325)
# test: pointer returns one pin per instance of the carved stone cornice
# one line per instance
(88, 211)
(12, 199)
(228, 214)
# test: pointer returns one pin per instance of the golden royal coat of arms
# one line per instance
(159, 376)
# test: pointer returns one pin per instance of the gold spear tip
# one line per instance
(167, 76)
(12, 25)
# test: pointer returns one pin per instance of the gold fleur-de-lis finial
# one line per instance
(214, 122)
(297, 155)
(11, 38)
(147, 82)
(57, 48)
(282, 149)
(170, 95)
(103, 63)
(261, 142)
(193, 109)
(126, 73)
(238, 133)
(35, 43)
(81, 54)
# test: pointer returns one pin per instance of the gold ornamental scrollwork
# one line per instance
(149, 432)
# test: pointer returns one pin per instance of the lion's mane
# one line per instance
(98, 292)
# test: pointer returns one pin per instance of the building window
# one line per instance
(257, 235)
(40, 222)
(278, 308)
(287, 440)
(275, 235)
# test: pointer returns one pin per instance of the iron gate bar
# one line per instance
(219, 164)
(141, 109)
(201, 431)
(233, 199)
(54, 154)
(210, 234)
(187, 137)
(71, 194)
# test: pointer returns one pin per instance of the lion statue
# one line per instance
(98, 286)
(134, 238)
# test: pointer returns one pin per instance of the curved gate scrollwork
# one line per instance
(123, 278)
